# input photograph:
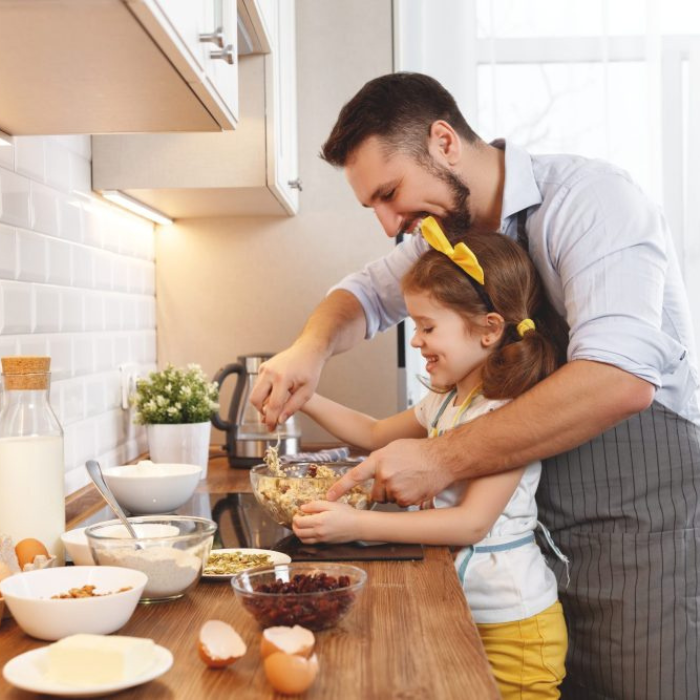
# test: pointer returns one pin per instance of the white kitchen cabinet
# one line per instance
(252, 171)
(115, 66)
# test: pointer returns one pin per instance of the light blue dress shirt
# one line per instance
(606, 257)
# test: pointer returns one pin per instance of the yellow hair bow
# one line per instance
(527, 324)
(460, 255)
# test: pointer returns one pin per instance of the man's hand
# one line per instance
(285, 383)
(326, 522)
(405, 472)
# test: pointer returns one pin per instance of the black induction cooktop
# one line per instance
(243, 523)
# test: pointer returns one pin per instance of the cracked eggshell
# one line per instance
(219, 645)
(290, 674)
(290, 640)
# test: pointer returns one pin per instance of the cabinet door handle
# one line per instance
(296, 184)
(226, 54)
(215, 37)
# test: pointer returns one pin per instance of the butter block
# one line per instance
(93, 659)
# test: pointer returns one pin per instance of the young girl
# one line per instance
(484, 328)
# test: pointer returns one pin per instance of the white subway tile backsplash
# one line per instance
(14, 199)
(57, 164)
(113, 312)
(95, 403)
(83, 355)
(94, 311)
(43, 209)
(31, 345)
(8, 345)
(16, 307)
(47, 316)
(82, 266)
(32, 256)
(70, 218)
(60, 349)
(102, 263)
(8, 252)
(71, 310)
(72, 401)
(104, 353)
(77, 283)
(59, 262)
(29, 156)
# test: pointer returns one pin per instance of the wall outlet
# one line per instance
(129, 372)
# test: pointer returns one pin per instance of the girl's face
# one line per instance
(454, 353)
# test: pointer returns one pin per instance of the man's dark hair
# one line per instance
(399, 108)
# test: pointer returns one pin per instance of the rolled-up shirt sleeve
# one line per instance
(378, 285)
(610, 247)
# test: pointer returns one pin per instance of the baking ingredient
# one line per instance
(290, 674)
(288, 489)
(5, 570)
(222, 563)
(33, 465)
(87, 591)
(290, 640)
(170, 571)
(219, 644)
(28, 549)
(93, 659)
(292, 605)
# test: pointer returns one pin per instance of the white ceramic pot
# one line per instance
(182, 443)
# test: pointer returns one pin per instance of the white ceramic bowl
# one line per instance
(77, 545)
(149, 488)
(28, 597)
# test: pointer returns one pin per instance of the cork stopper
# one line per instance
(25, 373)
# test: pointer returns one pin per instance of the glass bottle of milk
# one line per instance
(32, 500)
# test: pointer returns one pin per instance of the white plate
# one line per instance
(28, 672)
(277, 558)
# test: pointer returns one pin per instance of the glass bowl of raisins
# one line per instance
(315, 596)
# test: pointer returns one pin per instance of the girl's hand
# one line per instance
(326, 522)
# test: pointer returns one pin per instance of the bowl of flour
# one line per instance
(170, 549)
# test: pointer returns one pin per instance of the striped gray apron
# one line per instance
(624, 508)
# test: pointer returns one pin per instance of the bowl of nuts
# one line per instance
(281, 489)
(315, 596)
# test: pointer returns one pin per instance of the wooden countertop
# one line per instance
(409, 635)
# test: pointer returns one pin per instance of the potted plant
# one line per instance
(176, 406)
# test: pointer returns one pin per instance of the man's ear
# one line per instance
(494, 325)
(444, 144)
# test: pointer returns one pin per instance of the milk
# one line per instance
(32, 501)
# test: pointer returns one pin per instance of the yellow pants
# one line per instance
(527, 656)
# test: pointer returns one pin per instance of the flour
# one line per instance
(170, 571)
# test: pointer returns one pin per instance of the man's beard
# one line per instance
(458, 219)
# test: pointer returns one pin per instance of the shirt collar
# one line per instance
(520, 190)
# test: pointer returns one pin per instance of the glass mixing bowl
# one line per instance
(302, 482)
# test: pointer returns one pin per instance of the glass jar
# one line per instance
(32, 499)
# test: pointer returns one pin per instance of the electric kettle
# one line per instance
(247, 436)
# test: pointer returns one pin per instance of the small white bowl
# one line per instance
(77, 545)
(149, 488)
(28, 597)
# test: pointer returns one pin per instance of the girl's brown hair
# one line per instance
(515, 289)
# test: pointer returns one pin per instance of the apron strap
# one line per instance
(559, 554)
(471, 550)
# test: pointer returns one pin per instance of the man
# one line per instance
(617, 425)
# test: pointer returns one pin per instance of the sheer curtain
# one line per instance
(611, 79)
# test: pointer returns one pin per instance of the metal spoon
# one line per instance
(95, 472)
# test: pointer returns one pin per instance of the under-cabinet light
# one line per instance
(5, 139)
(136, 207)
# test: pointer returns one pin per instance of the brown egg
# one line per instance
(290, 674)
(290, 640)
(27, 550)
(219, 644)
